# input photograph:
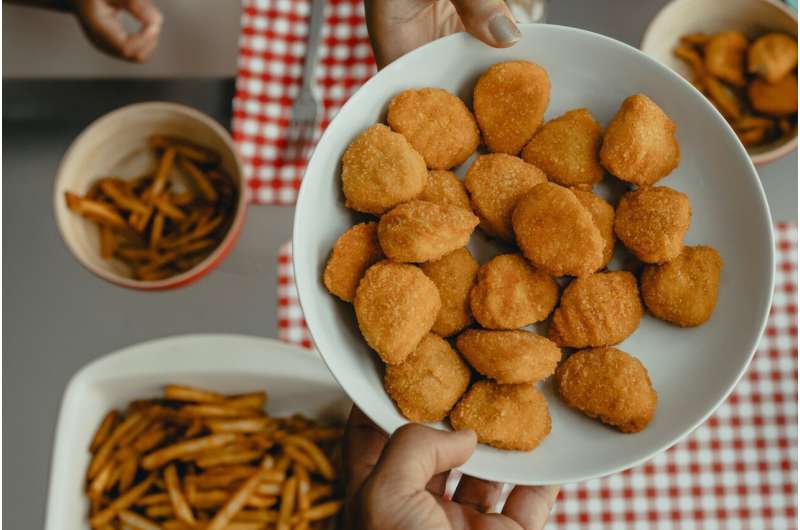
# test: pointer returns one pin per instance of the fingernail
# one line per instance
(504, 31)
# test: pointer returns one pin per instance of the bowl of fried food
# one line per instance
(544, 244)
(742, 55)
(150, 196)
(170, 434)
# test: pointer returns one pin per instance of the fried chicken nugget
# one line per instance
(454, 275)
(640, 145)
(380, 170)
(429, 382)
(651, 222)
(556, 232)
(775, 99)
(509, 100)
(772, 56)
(567, 149)
(437, 123)
(444, 188)
(683, 291)
(724, 55)
(509, 357)
(599, 310)
(608, 384)
(419, 231)
(513, 417)
(352, 254)
(495, 183)
(603, 215)
(396, 305)
(511, 294)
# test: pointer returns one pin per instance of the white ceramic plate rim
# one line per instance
(306, 298)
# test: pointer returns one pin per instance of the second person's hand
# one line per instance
(398, 26)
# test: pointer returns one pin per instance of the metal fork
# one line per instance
(303, 124)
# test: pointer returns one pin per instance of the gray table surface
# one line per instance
(58, 317)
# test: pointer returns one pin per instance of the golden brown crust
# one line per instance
(724, 56)
(396, 305)
(567, 149)
(512, 417)
(599, 310)
(772, 56)
(651, 222)
(556, 233)
(684, 291)
(603, 215)
(419, 231)
(380, 170)
(454, 275)
(510, 100)
(495, 183)
(775, 99)
(444, 188)
(352, 254)
(608, 384)
(640, 145)
(437, 123)
(429, 382)
(509, 357)
(511, 294)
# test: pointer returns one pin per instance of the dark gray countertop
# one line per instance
(59, 317)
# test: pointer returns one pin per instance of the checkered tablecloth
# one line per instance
(736, 471)
(272, 46)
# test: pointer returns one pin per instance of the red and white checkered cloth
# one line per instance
(736, 471)
(272, 47)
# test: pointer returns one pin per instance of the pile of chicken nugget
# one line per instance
(451, 331)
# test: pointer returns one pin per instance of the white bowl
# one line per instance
(116, 144)
(693, 370)
(751, 17)
(294, 378)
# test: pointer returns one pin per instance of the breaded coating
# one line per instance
(608, 384)
(511, 294)
(567, 149)
(772, 56)
(429, 382)
(419, 231)
(651, 222)
(640, 145)
(775, 99)
(396, 305)
(556, 232)
(599, 310)
(495, 183)
(352, 254)
(444, 187)
(380, 170)
(510, 100)
(513, 417)
(437, 123)
(684, 290)
(454, 275)
(603, 215)
(509, 357)
(724, 55)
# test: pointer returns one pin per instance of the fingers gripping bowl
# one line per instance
(692, 370)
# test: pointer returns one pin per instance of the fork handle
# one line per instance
(312, 46)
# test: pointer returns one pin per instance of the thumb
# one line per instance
(489, 20)
(415, 453)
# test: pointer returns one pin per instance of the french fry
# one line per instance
(194, 428)
(324, 510)
(191, 394)
(108, 242)
(173, 452)
(103, 454)
(128, 467)
(235, 503)
(184, 148)
(167, 208)
(256, 516)
(695, 39)
(323, 434)
(226, 458)
(212, 410)
(321, 462)
(152, 275)
(319, 491)
(752, 122)
(303, 489)
(179, 504)
(122, 502)
(288, 496)
(239, 425)
(104, 430)
(269, 488)
(157, 231)
(116, 191)
(298, 455)
(135, 521)
(153, 498)
(150, 439)
(257, 501)
(254, 400)
(100, 482)
(95, 210)
(162, 173)
(184, 198)
(157, 511)
(200, 179)
(136, 254)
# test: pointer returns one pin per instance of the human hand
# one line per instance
(398, 26)
(101, 21)
(397, 483)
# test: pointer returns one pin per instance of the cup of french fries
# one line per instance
(150, 196)
(742, 56)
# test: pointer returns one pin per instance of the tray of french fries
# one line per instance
(199, 432)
